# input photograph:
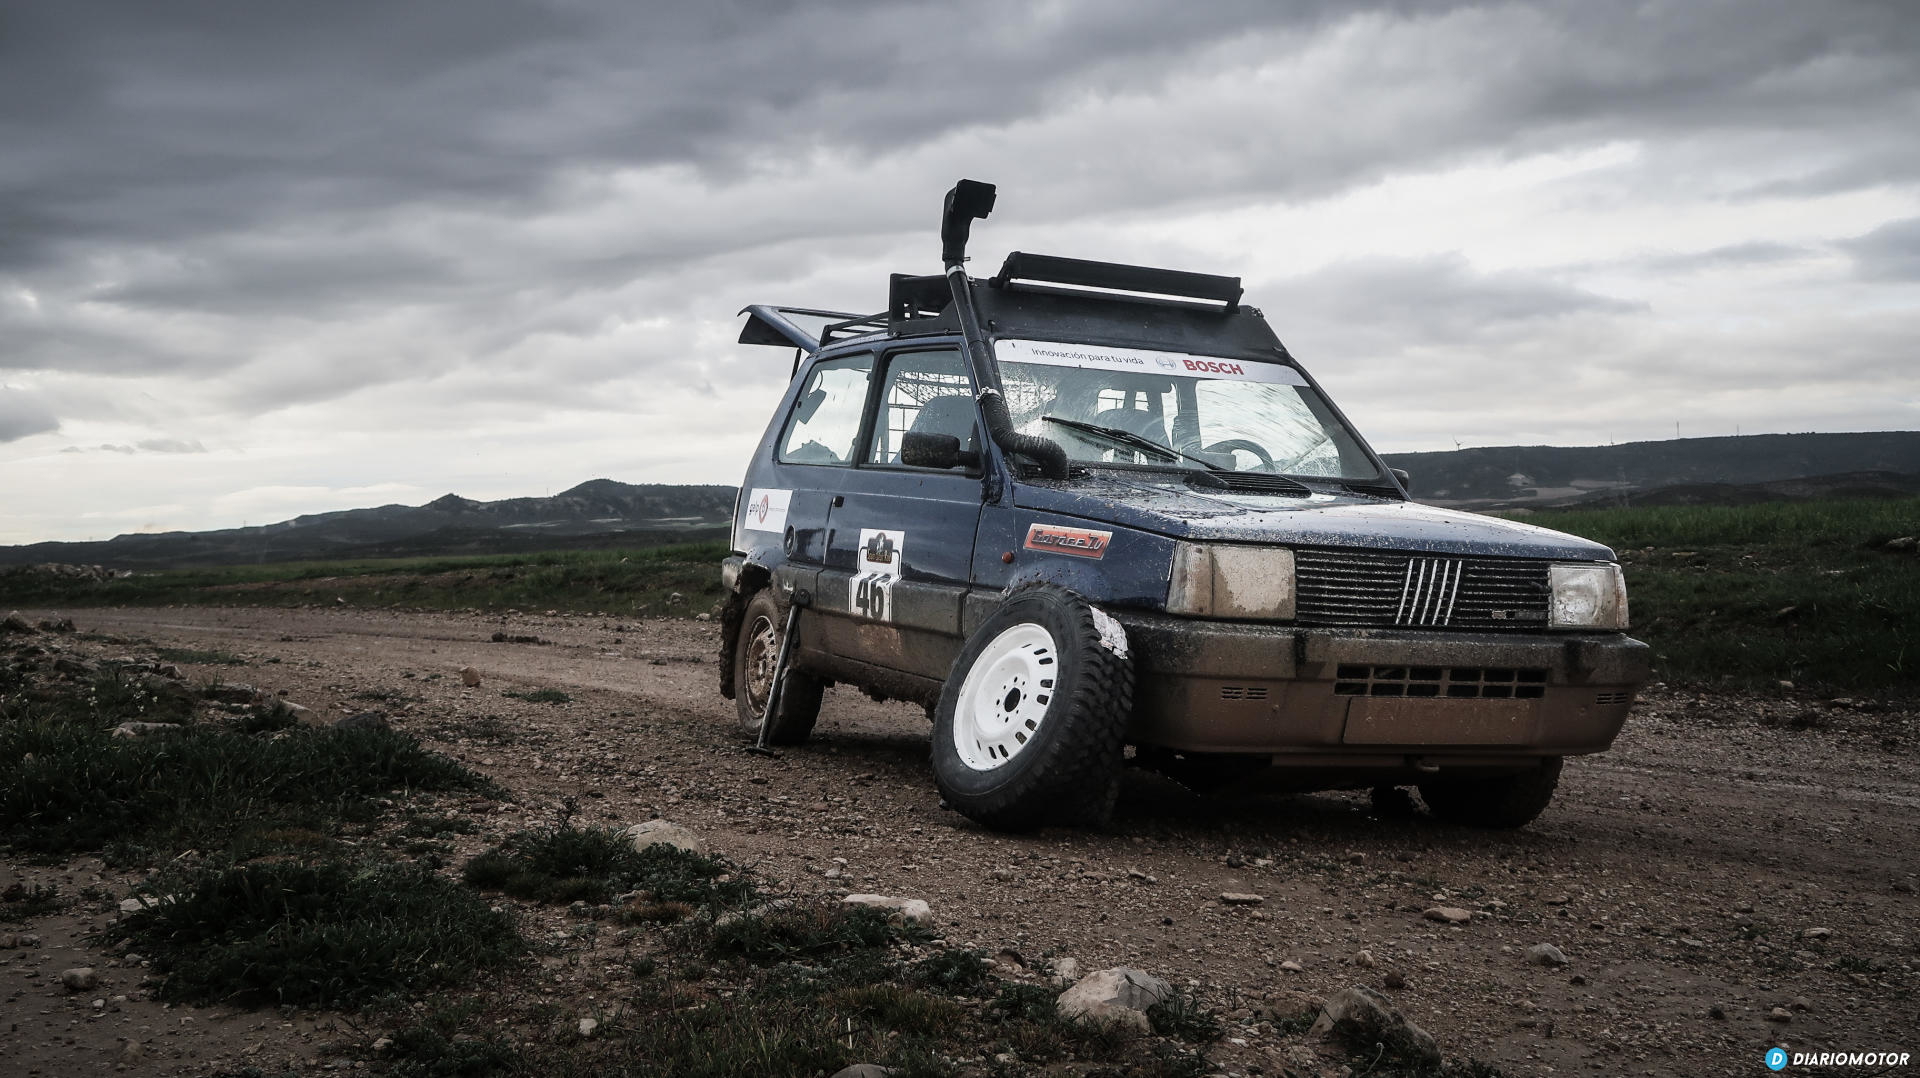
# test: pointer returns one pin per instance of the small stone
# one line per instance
(131, 1052)
(1546, 954)
(662, 832)
(1577, 980)
(909, 910)
(1121, 995)
(1452, 915)
(1011, 958)
(864, 1070)
(1292, 966)
(1905, 544)
(79, 979)
(1393, 980)
(1717, 1013)
(703, 616)
(382, 1044)
(1780, 1014)
(1800, 1003)
(1817, 934)
(469, 677)
(146, 729)
(1361, 1016)
(588, 1025)
(1240, 898)
(1365, 960)
(1066, 970)
(16, 623)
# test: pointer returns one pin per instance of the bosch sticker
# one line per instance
(1079, 542)
(1145, 361)
(766, 510)
(882, 555)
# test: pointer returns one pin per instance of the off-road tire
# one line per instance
(1069, 772)
(760, 631)
(1497, 801)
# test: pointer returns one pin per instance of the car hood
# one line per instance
(1170, 507)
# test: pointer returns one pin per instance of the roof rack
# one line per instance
(854, 326)
(1080, 272)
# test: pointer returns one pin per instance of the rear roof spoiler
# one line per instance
(785, 327)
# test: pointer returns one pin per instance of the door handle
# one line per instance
(838, 501)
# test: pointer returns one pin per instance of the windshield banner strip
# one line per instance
(1145, 361)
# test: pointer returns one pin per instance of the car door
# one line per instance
(899, 547)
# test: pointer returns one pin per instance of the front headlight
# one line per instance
(1588, 597)
(1253, 582)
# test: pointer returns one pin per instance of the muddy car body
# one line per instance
(1120, 477)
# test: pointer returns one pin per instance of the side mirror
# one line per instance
(928, 450)
(1406, 481)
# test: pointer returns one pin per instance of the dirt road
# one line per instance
(1685, 875)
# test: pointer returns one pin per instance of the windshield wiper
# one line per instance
(1134, 441)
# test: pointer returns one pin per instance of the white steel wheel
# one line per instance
(1004, 699)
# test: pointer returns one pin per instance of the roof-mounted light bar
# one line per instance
(1080, 272)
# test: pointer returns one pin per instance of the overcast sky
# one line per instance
(260, 258)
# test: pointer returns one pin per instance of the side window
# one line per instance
(826, 417)
(924, 393)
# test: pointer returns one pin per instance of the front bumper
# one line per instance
(1377, 697)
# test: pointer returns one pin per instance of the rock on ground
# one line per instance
(1120, 994)
(864, 1070)
(910, 910)
(1546, 954)
(1452, 915)
(1361, 1016)
(657, 832)
(81, 979)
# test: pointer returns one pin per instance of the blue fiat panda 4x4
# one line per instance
(1094, 515)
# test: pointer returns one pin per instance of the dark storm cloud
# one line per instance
(196, 187)
(1890, 252)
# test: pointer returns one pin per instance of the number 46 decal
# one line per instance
(880, 559)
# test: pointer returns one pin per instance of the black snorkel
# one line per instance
(970, 200)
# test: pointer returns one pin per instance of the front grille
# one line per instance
(1440, 682)
(1389, 588)
(1243, 692)
(1613, 697)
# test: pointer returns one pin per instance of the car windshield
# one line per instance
(1103, 405)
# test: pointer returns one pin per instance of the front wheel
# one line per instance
(754, 656)
(1030, 726)
(1497, 801)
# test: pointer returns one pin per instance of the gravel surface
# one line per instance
(1738, 872)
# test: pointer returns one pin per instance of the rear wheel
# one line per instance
(1498, 801)
(754, 656)
(1029, 728)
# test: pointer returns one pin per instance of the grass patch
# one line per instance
(20, 903)
(440, 1046)
(332, 934)
(1799, 592)
(540, 696)
(68, 786)
(592, 864)
(623, 581)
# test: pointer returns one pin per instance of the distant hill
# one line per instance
(602, 512)
(1752, 467)
(599, 512)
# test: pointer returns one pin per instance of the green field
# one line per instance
(617, 582)
(1805, 592)
(1748, 595)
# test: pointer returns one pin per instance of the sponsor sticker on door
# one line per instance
(1079, 542)
(881, 557)
(766, 510)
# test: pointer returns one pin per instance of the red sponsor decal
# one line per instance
(1079, 542)
(1214, 366)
